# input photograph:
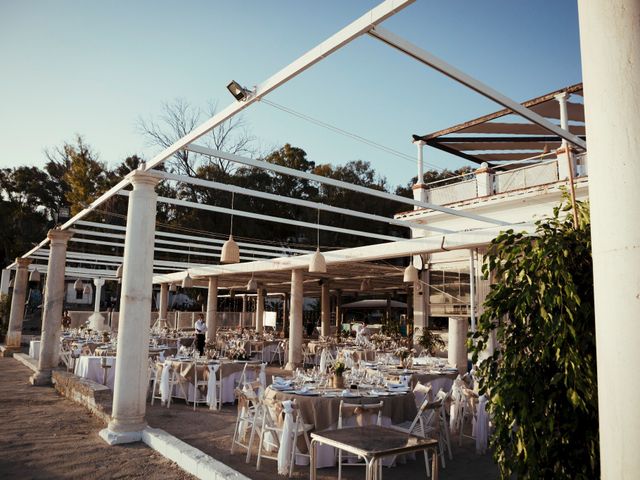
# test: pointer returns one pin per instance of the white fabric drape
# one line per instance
(286, 442)
(212, 391)
(481, 425)
(323, 360)
(164, 384)
(348, 361)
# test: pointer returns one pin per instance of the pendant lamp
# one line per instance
(172, 287)
(252, 284)
(365, 285)
(119, 271)
(318, 264)
(78, 285)
(187, 282)
(87, 289)
(410, 273)
(34, 276)
(230, 250)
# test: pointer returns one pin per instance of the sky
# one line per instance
(95, 68)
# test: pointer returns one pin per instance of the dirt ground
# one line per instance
(44, 435)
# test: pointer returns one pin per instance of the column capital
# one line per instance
(98, 282)
(562, 97)
(141, 178)
(419, 142)
(57, 236)
(23, 262)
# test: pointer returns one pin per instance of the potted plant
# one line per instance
(430, 342)
(338, 369)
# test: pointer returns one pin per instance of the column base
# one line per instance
(292, 366)
(6, 351)
(117, 438)
(41, 378)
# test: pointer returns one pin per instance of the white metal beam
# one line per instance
(339, 39)
(293, 201)
(269, 218)
(337, 183)
(450, 71)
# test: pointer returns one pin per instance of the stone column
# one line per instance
(97, 320)
(458, 328)
(285, 312)
(260, 310)
(295, 320)
(484, 180)
(420, 292)
(16, 317)
(483, 287)
(53, 303)
(132, 362)
(243, 315)
(325, 310)
(610, 46)
(212, 309)
(163, 306)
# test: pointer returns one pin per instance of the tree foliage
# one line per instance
(541, 380)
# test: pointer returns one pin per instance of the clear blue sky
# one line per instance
(93, 68)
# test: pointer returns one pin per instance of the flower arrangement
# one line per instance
(237, 352)
(339, 366)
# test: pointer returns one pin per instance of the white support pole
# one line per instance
(163, 306)
(96, 319)
(457, 348)
(472, 289)
(260, 310)
(212, 309)
(610, 46)
(243, 316)
(420, 144)
(325, 309)
(132, 361)
(564, 169)
(4, 283)
(295, 320)
(450, 71)
(52, 313)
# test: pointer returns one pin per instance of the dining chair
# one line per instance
(363, 415)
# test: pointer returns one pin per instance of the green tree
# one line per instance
(542, 380)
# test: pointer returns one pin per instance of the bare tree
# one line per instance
(179, 118)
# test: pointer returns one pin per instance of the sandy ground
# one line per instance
(47, 436)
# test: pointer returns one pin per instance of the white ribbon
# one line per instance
(212, 391)
(164, 383)
(286, 441)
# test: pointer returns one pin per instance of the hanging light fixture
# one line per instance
(12, 283)
(187, 282)
(252, 284)
(34, 276)
(172, 287)
(230, 250)
(119, 271)
(365, 285)
(78, 286)
(87, 289)
(199, 298)
(318, 264)
(410, 273)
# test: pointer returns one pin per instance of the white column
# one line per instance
(243, 315)
(132, 362)
(420, 294)
(472, 289)
(610, 46)
(97, 320)
(16, 317)
(338, 312)
(325, 309)
(483, 287)
(260, 310)
(212, 309)
(163, 306)
(4, 283)
(484, 180)
(295, 320)
(563, 156)
(458, 328)
(53, 303)
(419, 190)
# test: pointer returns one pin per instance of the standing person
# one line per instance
(201, 329)
(66, 320)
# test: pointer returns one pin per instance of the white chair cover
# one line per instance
(348, 361)
(481, 425)
(323, 360)
(164, 384)
(286, 442)
(263, 378)
(161, 356)
(212, 391)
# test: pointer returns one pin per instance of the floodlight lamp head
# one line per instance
(239, 92)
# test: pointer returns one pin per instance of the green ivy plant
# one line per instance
(541, 380)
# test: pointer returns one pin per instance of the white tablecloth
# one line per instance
(34, 349)
(90, 367)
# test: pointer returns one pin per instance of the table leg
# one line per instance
(370, 466)
(312, 461)
(435, 474)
